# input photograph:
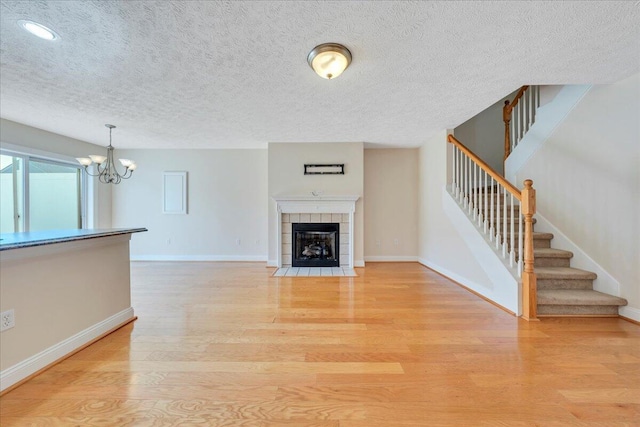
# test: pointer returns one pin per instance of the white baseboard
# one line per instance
(391, 258)
(272, 263)
(630, 313)
(33, 364)
(245, 258)
(358, 263)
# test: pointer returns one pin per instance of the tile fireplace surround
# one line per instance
(306, 209)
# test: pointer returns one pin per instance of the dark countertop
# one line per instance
(48, 237)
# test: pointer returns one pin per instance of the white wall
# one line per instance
(64, 295)
(286, 177)
(588, 181)
(38, 142)
(391, 204)
(484, 134)
(227, 202)
(446, 235)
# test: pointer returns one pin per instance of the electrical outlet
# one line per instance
(237, 241)
(7, 320)
(396, 242)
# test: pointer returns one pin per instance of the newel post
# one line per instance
(506, 117)
(529, 283)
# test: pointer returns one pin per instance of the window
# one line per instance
(39, 194)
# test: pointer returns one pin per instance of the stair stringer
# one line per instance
(507, 288)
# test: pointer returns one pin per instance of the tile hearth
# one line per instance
(315, 272)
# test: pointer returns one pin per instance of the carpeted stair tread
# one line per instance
(551, 253)
(567, 273)
(577, 297)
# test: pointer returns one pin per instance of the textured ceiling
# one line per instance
(190, 74)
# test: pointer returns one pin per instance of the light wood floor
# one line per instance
(226, 344)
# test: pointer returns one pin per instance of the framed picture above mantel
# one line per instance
(324, 169)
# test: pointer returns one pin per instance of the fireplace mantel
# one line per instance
(324, 204)
(316, 204)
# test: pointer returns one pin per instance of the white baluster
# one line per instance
(513, 129)
(532, 103)
(525, 111)
(463, 170)
(497, 223)
(504, 225)
(520, 243)
(466, 181)
(475, 190)
(512, 254)
(455, 173)
(485, 217)
(522, 123)
(460, 175)
(472, 200)
(493, 202)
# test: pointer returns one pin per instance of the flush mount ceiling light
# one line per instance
(329, 60)
(38, 30)
(105, 165)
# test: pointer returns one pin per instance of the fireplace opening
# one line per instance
(315, 245)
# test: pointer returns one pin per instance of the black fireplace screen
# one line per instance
(315, 245)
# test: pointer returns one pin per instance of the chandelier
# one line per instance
(105, 165)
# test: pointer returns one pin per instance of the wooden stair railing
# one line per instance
(490, 200)
(519, 115)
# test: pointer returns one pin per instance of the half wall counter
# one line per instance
(67, 288)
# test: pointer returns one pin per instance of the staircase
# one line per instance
(550, 286)
(563, 290)
(567, 291)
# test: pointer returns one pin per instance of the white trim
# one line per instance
(171, 198)
(469, 284)
(358, 263)
(28, 154)
(272, 263)
(630, 312)
(332, 198)
(33, 364)
(245, 258)
(503, 286)
(403, 258)
(32, 152)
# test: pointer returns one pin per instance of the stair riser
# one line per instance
(541, 243)
(544, 284)
(537, 243)
(577, 310)
(551, 262)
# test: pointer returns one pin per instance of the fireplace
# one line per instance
(315, 244)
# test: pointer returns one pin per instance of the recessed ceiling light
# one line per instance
(38, 30)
